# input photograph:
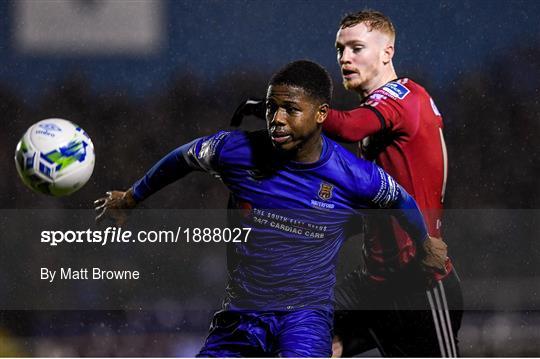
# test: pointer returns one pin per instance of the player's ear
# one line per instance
(322, 112)
(388, 53)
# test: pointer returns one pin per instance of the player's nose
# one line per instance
(279, 117)
(345, 56)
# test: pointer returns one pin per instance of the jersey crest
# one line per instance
(325, 192)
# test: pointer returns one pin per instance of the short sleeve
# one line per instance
(205, 152)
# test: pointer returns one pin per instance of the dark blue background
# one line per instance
(212, 39)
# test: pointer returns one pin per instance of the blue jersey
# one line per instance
(297, 212)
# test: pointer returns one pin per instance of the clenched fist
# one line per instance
(435, 255)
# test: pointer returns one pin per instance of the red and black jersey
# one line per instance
(400, 128)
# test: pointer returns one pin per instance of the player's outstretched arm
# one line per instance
(353, 125)
(346, 126)
(170, 168)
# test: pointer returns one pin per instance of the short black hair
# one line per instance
(307, 75)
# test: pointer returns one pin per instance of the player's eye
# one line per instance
(339, 51)
(271, 107)
(292, 110)
(357, 49)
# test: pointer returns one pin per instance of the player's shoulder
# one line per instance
(353, 174)
(243, 147)
(422, 96)
(348, 161)
(414, 87)
(339, 151)
(401, 89)
(252, 140)
(239, 138)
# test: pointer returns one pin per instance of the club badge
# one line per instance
(325, 192)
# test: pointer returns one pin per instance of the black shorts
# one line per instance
(403, 316)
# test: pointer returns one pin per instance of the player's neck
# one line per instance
(310, 151)
(384, 78)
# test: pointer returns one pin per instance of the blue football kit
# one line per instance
(279, 297)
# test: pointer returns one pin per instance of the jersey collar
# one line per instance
(326, 152)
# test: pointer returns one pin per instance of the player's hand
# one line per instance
(435, 255)
(249, 107)
(337, 347)
(114, 205)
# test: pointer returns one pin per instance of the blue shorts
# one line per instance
(299, 333)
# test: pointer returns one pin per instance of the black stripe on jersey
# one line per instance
(379, 116)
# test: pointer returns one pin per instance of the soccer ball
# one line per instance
(55, 157)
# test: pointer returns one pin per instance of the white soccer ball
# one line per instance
(55, 157)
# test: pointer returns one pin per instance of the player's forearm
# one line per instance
(410, 218)
(169, 169)
(352, 126)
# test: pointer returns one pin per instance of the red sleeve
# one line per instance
(354, 125)
(384, 109)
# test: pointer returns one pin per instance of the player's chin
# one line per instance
(287, 146)
(351, 85)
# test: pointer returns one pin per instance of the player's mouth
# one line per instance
(280, 137)
(347, 73)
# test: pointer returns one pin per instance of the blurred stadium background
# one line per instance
(142, 77)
